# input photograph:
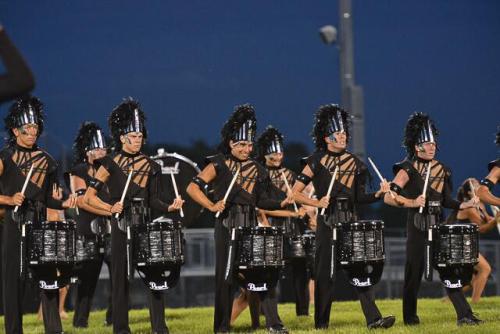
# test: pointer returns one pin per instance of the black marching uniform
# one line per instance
(439, 194)
(144, 187)
(293, 227)
(249, 192)
(17, 162)
(348, 191)
(88, 272)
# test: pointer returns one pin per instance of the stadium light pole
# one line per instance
(351, 94)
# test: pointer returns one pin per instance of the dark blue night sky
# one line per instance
(190, 62)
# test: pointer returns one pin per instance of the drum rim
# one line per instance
(178, 156)
(368, 220)
(450, 226)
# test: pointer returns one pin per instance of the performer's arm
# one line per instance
(266, 202)
(284, 213)
(484, 224)
(52, 202)
(484, 191)
(302, 180)
(263, 219)
(18, 80)
(96, 184)
(201, 181)
(449, 202)
(80, 189)
(397, 185)
(362, 196)
(16, 199)
(154, 196)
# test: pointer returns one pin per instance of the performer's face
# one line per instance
(274, 159)
(96, 154)
(337, 141)
(132, 142)
(241, 150)
(426, 151)
(26, 135)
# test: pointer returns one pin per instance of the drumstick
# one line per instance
(330, 186)
(289, 189)
(72, 188)
(125, 189)
(25, 185)
(426, 183)
(229, 189)
(379, 175)
(176, 190)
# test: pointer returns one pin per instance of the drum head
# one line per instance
(184, 170)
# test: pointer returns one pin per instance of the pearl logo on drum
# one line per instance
(357, 282)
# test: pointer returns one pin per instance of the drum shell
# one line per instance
(302, 246)
(455, 244)
(51, 243)
(361, 242)
(455, 253)
(87, 248)
(361, 251)
(158, 243)
(260, 247)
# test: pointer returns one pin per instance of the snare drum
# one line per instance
(303, 246)
(309, 240)
(362, 241)
(455, 253)
(259, 257)
(158, 243)
(361, 251)
(87, 248)
(455, 244)
(100, 226)
(260, 247)
(51, 243)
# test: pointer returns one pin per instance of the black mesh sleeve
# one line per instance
(155, 187)
(362, 196)
(448, 201)
(50, 201)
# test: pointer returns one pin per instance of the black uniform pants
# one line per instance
(120, 289)
(88, 277)
(300, 280)
(13, 286)
(324, 286)
(224, 292)
(414, 269)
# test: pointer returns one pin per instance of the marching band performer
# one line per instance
(271, 155)
(239, 209)
(127, 126)
(24, 124)
(89, 146)
(410, 174)
(331, 133)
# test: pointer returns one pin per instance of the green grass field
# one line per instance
(436, 317)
